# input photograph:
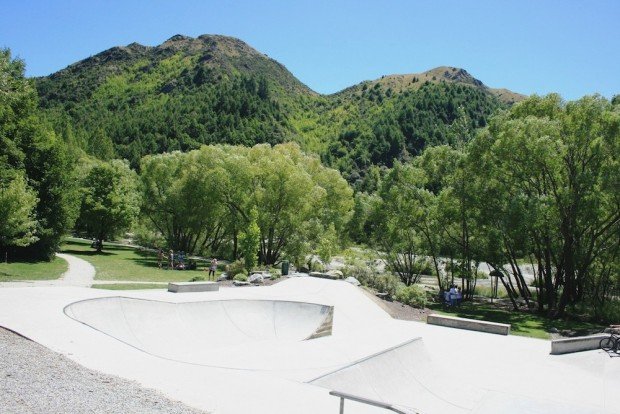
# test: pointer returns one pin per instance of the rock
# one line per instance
(256, 278)
(222, 277)
(352, 281)
(554, 330)
(336, 274)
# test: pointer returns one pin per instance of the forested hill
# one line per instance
(136, 100)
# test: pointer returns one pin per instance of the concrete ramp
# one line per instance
(404, 376)
(181, 331)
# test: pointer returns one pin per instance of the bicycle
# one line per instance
(610, 343)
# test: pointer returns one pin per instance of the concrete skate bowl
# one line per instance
(213, 333)
(406, 377)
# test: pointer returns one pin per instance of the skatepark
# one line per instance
(284, 348)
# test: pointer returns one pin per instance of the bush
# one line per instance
(238, 266)
(610, 311)
(413, 295)
(364, 274)
(386, 283)
(241, 277)
(368, 276)
(145, 237)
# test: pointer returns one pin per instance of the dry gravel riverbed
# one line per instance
(34, 379)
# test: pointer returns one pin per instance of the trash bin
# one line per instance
(285, 268)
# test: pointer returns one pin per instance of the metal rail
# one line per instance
(344, 395)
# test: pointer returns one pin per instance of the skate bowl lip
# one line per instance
(324, 321)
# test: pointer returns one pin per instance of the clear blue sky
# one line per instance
(528, 46)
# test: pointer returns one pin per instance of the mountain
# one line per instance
(413, 81)
(135, 100)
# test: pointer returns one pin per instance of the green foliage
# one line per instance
(109, 199)
(236, 267)
(367, 275)
(17, 204)
(249, 241)
(413, 295)
(241, 277)
(34, 164)
(202, 200)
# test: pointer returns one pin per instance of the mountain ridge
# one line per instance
(235, 48)
(130, 101)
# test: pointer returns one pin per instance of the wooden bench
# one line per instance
(182, 287)
(469, 324)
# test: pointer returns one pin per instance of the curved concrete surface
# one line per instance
(178, 330)
(447, 371)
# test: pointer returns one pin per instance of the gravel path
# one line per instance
(34, 379)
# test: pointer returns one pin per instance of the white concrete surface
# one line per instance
(446, 370)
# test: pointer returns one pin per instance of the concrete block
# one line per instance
(180, 287)
(469, 324)
(577, 344)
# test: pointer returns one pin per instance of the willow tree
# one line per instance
(553, 174)
(109, 199)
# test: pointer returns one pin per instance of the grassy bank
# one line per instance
(32, 270)
(117, 262)
(522, 323)
(129, 286)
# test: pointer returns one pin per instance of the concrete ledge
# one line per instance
(180, 287)
(578, 344)
(469, 324)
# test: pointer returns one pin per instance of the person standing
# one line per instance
(171, 259)
(453, 295)
(160, 257)
(213, 267)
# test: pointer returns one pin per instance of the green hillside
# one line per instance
(136, 100)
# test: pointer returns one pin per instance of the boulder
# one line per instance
(352, 281)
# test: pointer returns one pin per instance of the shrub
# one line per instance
(610, 311)
(386, 283)
(368, 276)
(143, 236)
(413, 295)
(238, 266)
(364, 274)
(241, 277)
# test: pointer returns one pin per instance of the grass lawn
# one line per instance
(32, 270)
(129, 286)
(124, 263)
(522, 323)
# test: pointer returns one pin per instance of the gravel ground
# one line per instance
(398, 310)
(34, 379)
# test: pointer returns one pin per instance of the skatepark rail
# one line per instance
(344, 395)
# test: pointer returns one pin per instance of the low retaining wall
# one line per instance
(469, 324)
(578, 344)
(180, 287)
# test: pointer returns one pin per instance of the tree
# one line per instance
(17, 205)
(29, 148)
(250, 241)
(554, 168)
(110, 200)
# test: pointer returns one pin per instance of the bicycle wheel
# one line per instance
(607, 344)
